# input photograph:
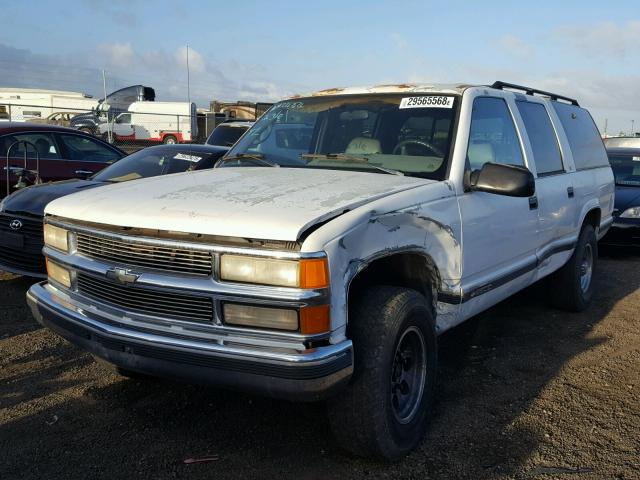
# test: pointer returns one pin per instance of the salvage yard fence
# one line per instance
(129, 130)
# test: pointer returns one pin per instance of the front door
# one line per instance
(498, 232)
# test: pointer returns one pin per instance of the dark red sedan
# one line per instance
(56, 153)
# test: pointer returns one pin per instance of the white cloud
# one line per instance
(196, 61)
(603, 39)
(515, 47)
(117, 54)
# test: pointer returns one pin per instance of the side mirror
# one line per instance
(508, 180)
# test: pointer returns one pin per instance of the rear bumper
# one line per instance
(310, 375)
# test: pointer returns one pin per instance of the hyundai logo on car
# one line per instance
(15, 224)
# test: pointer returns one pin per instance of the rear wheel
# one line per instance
(383, 412)
(571, 287)
(169, 140)
(86, 130)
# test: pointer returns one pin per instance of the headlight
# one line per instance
(56, 237)
(305, 273)
(631, 213)
(58, 273)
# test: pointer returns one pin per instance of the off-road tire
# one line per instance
(565, 289)
(362, 416)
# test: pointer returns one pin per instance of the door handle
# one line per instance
(83, 172)
(533, 203)
(570, 192)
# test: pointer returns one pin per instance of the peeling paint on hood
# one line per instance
(265, 203)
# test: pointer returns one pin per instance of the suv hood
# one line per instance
(251, 202)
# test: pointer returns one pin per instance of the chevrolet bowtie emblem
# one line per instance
(122, 275)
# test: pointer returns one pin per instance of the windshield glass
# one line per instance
(226, 135)
(380, 133)
(626, 169)
(151, 162)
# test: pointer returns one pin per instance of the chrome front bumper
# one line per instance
(308, 375)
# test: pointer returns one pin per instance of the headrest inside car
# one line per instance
(363, 146)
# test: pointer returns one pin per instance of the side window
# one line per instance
(546, 151)
(492, 137)
(87, 150)
(583, 135)
(124, 118)
(43, 143)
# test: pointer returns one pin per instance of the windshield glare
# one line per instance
(405, 133)
(150, 163)
(626, 169)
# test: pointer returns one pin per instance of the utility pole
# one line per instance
(606, 124)
(188, 79)
(104, 85)
(632, 134)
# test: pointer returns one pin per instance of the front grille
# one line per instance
(146, 301)
(29, 258)
(169, 259)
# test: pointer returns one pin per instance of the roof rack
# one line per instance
(532, 91)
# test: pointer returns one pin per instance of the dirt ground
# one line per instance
(524, 392)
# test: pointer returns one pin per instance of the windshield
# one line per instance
(626, 169)
(379, 133)
(151, 162)
(225, 135)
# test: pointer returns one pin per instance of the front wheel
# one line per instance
(169, 140)
(383, 412)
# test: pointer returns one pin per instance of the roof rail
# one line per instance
(532, 91)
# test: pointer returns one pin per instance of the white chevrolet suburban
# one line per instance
(330, 247)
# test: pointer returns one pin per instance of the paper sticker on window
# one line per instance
(427, 102)
(188, 158)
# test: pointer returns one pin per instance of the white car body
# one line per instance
(154, 122)
(193, 276)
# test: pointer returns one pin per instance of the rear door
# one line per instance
(42, 153)
(554, 185)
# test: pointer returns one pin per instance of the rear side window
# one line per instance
(546, 152)
(493, 136)
(584, 138)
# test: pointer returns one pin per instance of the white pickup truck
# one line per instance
(328, 264)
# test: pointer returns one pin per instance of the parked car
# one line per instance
(622, 142)
(411, 209)
(228, 133)
(21, 213)
(153, 122)
(108, 109)
(56, 153)
(625, 230)
(58, 118)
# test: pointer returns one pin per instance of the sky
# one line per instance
(266, 51)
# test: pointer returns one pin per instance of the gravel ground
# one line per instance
(525, 392)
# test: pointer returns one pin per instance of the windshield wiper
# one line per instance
(348, 158)
(247, 156)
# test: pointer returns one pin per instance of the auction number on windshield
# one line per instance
(427, 102)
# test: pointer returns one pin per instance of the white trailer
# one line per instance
(24, 104)
(161, 122)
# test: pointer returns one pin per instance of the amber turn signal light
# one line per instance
(314, 320)
(314, 273)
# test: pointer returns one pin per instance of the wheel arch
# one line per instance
(408, 268)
